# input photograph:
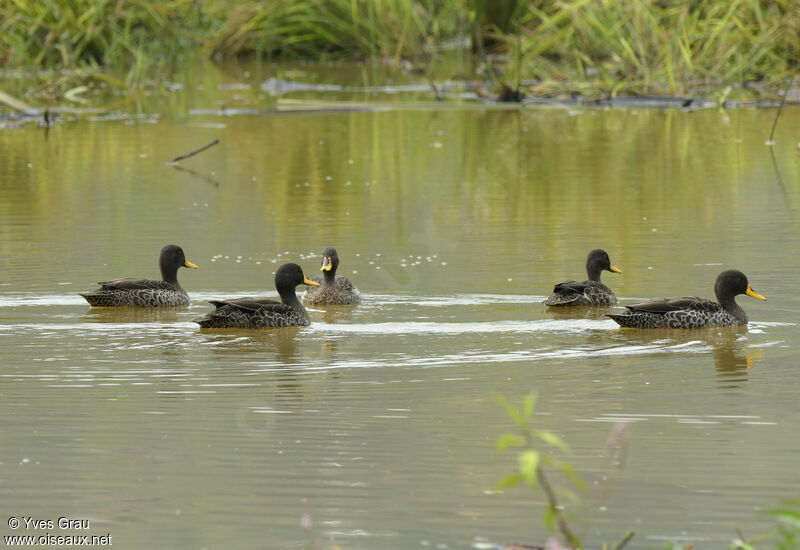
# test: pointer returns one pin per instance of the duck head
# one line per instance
(730, 284)
(171, 259)
(330, 263)
(597, 261)
(287, 277)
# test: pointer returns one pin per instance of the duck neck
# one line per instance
(329, 277)
(729, 304)
(289, 298)
(169, 274)
(593, 271)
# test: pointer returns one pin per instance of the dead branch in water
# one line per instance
(778, 114)
(191, 172)
(193, 153)
(15, 103)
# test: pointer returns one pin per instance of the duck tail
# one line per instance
(204, 321)
(621, 320)
(561, 300)
(90, 297)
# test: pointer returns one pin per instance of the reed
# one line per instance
(603, 47)
(659, 47)
(336, 28)
(51, 33)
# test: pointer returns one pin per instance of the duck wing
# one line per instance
(663, 306)
(567, 288)
(568, 293)
(135, 284)
(252, 305)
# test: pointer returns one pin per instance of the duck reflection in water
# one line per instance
(118, 315)
(733, 357)
(253, 343)
(335, 314)
(570, 313)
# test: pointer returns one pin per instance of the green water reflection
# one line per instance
(375, 425)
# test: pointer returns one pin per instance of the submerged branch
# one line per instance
(14, 103)
(193, 153)
(780, 108)
(203, 177)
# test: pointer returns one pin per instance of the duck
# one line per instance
(586, 293)
(691, 311)
(332, 289)
(146, 292)
(263, 312)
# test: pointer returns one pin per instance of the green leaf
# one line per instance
(511, 480)
(508, 440)
(739, 544)
(528, 405)
(550, 518)
(512, 413)
(789, 517)
(573, 476)
(551, 439)
(528, 465)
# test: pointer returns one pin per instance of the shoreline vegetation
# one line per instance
(725, 50)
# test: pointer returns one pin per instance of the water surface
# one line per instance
(375, 426)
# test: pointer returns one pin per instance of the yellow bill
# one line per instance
(614, 269)
(753, 293)
(190, 264)
(309, 282)
(327, 264)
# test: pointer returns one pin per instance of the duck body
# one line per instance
(254, 313)
(581, 293)
(591, 292)
(339, 292)
(333, 289)
(146, 292)
(263, 312)
(691, 311)
(682, 312)
(137, 293)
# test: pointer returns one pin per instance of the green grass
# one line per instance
(659, 47)
(603, 47)
(335, 28)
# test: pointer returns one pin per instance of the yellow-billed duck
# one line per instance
(332, 289)
(586, 293)
(691, 311)
(146, 292)
(263, 312)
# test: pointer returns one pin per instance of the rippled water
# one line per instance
(375, 426)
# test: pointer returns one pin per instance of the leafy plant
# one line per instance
(788, 518)
(536, 452)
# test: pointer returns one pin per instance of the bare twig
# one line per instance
(14, 103)
(553, 503)
(625, 540)
(780, 108)
(436, 93)
(193, 153)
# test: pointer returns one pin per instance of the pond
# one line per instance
(375, 426)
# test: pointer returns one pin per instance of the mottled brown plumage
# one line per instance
(691, 311)
(586, 293)
(263, 312)
(332, 289)
(146, 292)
